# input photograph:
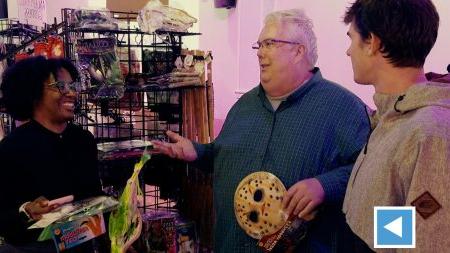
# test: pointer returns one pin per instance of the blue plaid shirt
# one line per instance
(317, 132)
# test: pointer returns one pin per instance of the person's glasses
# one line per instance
(271, 43)
(64, 88)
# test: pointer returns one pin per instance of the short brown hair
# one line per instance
(407, 28)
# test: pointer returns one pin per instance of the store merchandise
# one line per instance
(51, 47)
(176, 79)
(155, 63)
(72, 211)
(258, 204)
(285, 239)
(61, 201)
(122, 149)
(56, 46)
(2, 128)
(3, 64)
(93, 19)
(104, 130)
(80, 222)
(99, 67)
(155, 16)
(259, 211)
(41, 48)
(158, 233)
(125, 223)
(71, 234)
(187, 239)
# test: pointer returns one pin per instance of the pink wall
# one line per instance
(54, 7)
(230, 33)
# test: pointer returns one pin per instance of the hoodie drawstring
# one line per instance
(370, 131)
(400, 98)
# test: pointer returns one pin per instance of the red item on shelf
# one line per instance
(41, 48)
(21, 56)
(56, 46)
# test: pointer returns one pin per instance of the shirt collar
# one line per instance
(300, 92)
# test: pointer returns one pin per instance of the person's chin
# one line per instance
(68, 116)
(359, 80)
(264, 77)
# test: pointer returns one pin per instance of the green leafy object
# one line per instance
(122, 222)
(46, 234)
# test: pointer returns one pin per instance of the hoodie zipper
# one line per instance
(399, 99)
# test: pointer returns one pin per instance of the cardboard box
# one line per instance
(128, 6)
(70, 234)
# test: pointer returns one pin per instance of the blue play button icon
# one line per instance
(394, 227)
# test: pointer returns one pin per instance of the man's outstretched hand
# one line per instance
(179, 148)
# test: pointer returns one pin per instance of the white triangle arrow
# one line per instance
(395, 226)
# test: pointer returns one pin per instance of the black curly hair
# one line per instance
(407, 28)
(23, 83)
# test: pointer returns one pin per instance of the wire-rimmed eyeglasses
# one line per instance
(64, 87)
(270, 43)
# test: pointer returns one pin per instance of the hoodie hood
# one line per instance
(421, 95)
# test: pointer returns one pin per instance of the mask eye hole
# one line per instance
(258, 196)
(253, 216)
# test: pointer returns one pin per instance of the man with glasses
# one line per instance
(46, 157)
(295, 124)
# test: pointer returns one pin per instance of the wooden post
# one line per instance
(210, 98)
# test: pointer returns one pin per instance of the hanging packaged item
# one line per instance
(56, 46)
(21, 55)
(4, 63)
(125, 223)
(155, 16)
(157, 63)
(158, 233)
(53, 47)
(187, 239)
(2, 127)
(93, 19)
(41, 48)
(100, 68)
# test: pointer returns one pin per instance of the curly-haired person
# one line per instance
(45, 158)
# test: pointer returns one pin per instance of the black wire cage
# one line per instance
(144, 112)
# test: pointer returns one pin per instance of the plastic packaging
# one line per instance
(125, 223)
(94, 19)
(155, 16)
(99, 67)
(56, 46)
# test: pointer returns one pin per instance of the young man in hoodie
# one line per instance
(406, 161)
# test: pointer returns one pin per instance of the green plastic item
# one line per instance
(125, 223)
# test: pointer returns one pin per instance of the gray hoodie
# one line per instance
(408, 154)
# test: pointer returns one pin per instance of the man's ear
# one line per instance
(300, 53)
(372, 44)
